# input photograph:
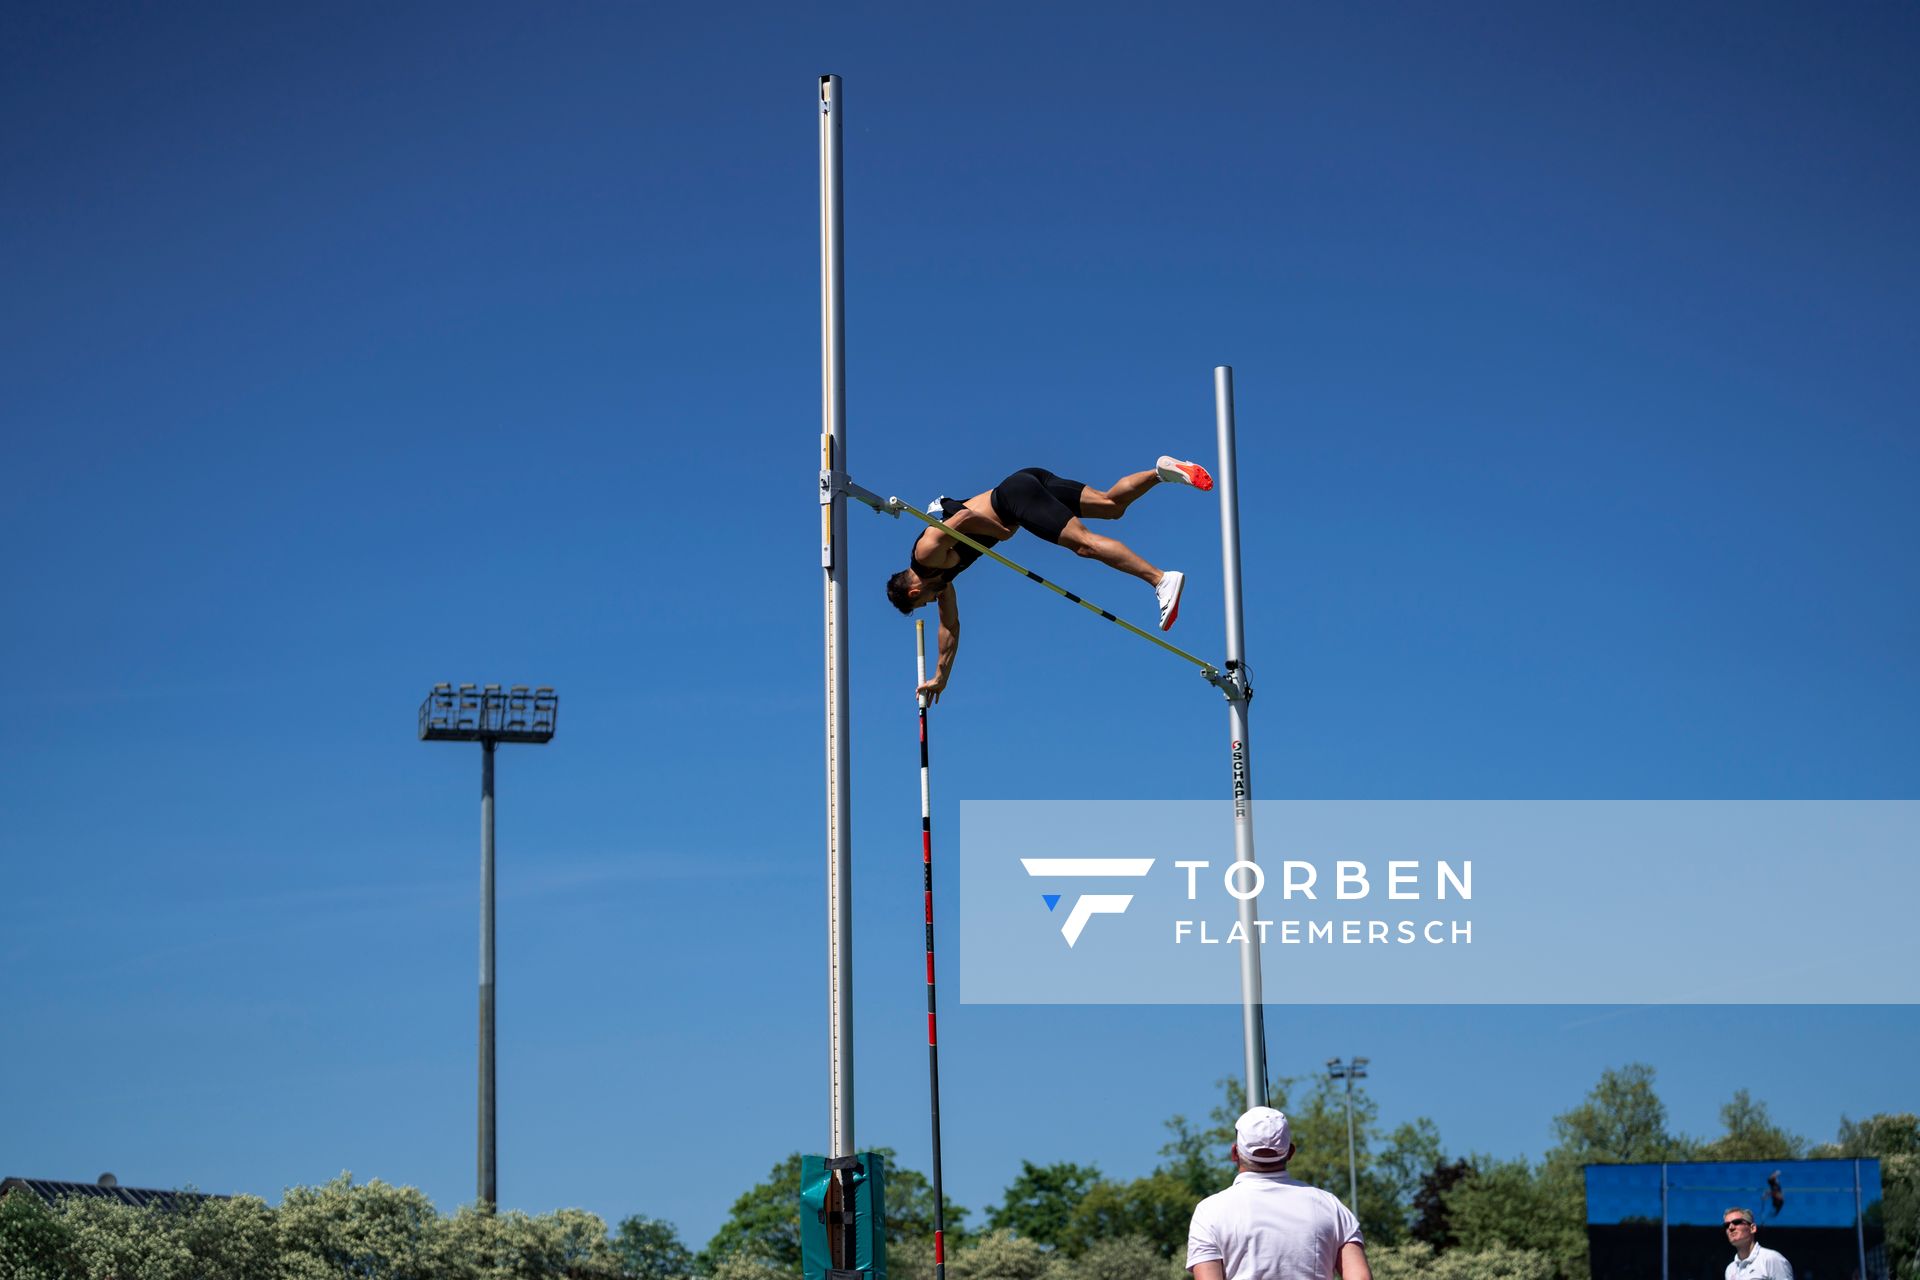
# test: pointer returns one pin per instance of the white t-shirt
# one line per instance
(1762, 1264)
(1271, 1226)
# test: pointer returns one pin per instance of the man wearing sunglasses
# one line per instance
(1751, 1259)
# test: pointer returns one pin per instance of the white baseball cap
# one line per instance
(1264, 1138)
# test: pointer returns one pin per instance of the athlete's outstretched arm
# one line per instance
(949, 603)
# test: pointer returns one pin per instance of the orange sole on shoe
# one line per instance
(1196, 475)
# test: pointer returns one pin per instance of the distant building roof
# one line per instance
(107, 1188)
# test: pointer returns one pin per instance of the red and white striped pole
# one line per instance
(933, 1040)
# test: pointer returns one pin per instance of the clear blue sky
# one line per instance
(348, 349)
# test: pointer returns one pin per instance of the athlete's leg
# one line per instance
(1076, 537)
(1111, 504)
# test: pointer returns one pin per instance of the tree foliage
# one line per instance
(34, 1243)
(1749, 1133)
(1894, 1140)
(650, 1249)
(1465, 1218)
(1001, 1255)
(1418, 1261)
(1198, 1155)
(1157, 1208)
(1432, 1221)
(1040, 1201)
(337, 1231)
(1123, 1258)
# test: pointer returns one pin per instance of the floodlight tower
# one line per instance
(1349, 1071)
(487, 716)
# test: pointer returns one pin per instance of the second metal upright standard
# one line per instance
(1238, 686)
(833, 563)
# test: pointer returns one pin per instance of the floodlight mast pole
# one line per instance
(1239, 690)
(489, 717)
(488, 1154)
(833, 560)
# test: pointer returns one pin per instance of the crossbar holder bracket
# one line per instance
(1236, 685)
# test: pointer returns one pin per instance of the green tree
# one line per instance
(569, 1243)
(650, 1249)
(1157, 1208)
(112, 1239)
(1750, 1134)
(1894, 1140)
(1039, 1202)
(233, 1239)
(1543, 1209)
(339, 1231)
(1507, 1203)
(1432, 1222)
(34, 1243)
(1198, 1156)
(1622, 1121)
(739, 1267)
(1000, 1255)
(1418, 1262)
(1128, 1258)
(1389, 1192)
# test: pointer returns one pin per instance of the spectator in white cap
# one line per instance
(1269, 1225)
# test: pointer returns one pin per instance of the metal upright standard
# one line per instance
(1237, 684)
(833, 562)
(933, 1039)
(836, 485)
(488, 717)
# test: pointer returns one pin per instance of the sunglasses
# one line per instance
(1739, 1222)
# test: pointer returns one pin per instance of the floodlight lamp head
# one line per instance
(490, 715)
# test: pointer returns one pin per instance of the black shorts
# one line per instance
(1038, 501)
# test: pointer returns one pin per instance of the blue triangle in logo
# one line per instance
(1051, 899)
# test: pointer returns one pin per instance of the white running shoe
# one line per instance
(1168, 593)
(1174, 471)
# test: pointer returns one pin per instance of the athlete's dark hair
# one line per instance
(897, 591)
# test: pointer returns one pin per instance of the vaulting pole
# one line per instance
(1239, 691)
(933, 1039)
(833, 561)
